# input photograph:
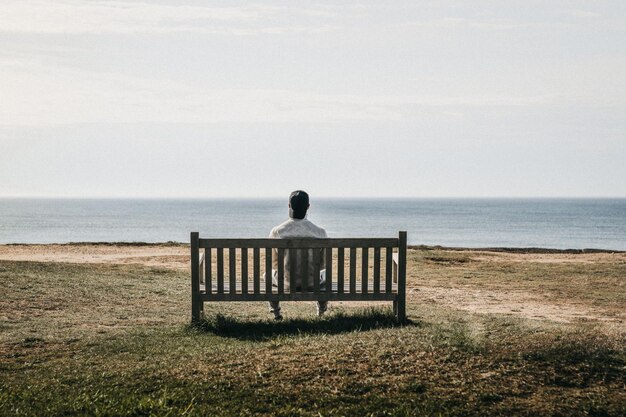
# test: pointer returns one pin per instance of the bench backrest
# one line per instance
(355, 269)
(352, 265)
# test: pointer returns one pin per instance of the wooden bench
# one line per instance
(357, 269)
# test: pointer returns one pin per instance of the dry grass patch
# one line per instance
(114, 340)
(586, 290)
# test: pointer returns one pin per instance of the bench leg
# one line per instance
(196, 302)
(196, 309)
(399, 309)
(401, 299)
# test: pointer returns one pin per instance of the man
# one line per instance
(297, 226)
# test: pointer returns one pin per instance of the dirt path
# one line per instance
(561, 258)
(515, 303)
(166, 256)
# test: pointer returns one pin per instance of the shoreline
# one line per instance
(520, 250)
(177, 256)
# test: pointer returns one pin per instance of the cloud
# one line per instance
(585, 14)
(470, 23)
(41, 95)
(119, 17)
(51, 80)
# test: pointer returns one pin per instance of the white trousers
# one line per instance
(274, 306)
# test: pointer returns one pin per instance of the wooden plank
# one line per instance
(340, 268)
(281, 271)
(196, 301)
(388, 269)
(232, 270)
(208, 268)
(316, 270)
(352, 270)
(299, 243)
(256, 270)
(329, 269)
(370, 288)
(299, 296)
(201, 265)
(376, 270)
(293, 259)
(244, 270)
(395, 267)
(268, 270)
(364, 269)
(304, 268)
(220, 271)
(401, 313)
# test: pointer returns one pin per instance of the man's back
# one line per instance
(297, 228)
(294, 228)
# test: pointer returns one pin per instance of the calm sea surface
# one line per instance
(553, 223)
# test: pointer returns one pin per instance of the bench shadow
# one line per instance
(339, 322)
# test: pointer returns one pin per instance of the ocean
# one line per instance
(547, 223)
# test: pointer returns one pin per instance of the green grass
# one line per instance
(116, 340)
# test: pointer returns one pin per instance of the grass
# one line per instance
(601, 282)
(115, 340)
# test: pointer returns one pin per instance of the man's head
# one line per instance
(298, 204)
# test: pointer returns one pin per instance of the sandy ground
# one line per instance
(167, 256)
(515, 303)
(549, 257)
(177, 256)
(531, 305)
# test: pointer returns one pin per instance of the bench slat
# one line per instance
(256, 254)
(268, 270)
(281, 271)
(352, 270)
(208, 268)
(341, 263)
(292, 269)
(388, 269)
(244, 270)
(304, 267)
(232, 270)
(220, 271)
(316, 270)
(299, 243)
(364, 269)
(329, 269)
(376, 270)
(306, 296)
(334, 288)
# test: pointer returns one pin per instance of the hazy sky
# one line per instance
(213, 99)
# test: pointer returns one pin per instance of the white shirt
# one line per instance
(294, 228)
(297, 228)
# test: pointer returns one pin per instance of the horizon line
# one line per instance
(325, 197)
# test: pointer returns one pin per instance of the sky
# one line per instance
(343, 99)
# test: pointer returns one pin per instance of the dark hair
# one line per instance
(299, 204)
